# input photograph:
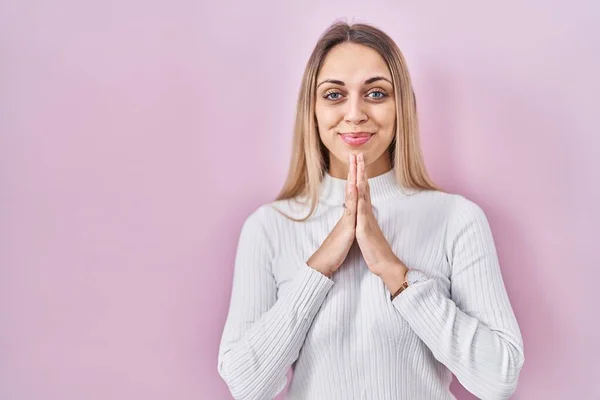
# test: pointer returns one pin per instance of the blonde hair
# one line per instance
(310, 158)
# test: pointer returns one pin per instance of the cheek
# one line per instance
(322, 125)
(385, 115)
(322, 121)
(326, 122)
(385, 118)
(327, 117)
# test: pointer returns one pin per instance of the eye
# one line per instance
(331, 95)
(377, 94)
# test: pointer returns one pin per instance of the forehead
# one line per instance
(353, 62)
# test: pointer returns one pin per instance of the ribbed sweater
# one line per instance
(343, 337)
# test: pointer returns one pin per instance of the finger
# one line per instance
(351, 183)
(351, 194)
(366, 187)
(368, 191)
(361, 208)
(360, 175)
(350, 158)
(351, 199)
(352, 169)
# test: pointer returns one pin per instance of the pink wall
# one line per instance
(136, 136)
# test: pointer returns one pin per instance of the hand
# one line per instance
(376, 250)
(332, 253)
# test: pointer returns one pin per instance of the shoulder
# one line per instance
(453, 212)
(466, 222)
(452, 205)
(466, 211)
(260, 219)
(297, 208)
(258, 232)
(268, 218)
(263, 225)
(463, 220)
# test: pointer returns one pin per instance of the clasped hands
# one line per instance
(375, 248)
(359, 223)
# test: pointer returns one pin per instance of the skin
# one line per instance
(355, 94)
(345, 103)
(375, 248)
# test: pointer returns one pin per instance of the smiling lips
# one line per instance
(356, 138)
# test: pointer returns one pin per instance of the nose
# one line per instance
(355, 114)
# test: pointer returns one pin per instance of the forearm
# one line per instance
(254, 365)
(486, 361)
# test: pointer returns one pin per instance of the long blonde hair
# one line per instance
(310, 158)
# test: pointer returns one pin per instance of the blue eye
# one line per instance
(380, 94)
(329, 96)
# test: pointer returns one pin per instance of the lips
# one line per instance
(357, 134)
(356, 138)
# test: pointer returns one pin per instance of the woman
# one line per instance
(363, 276)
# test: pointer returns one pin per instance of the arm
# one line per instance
(475, 333)
(263, 334)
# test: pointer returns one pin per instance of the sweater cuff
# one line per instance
(308, 291)
(418, 300)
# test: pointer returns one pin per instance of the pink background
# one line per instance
(136, 136)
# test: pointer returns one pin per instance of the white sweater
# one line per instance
(343, 337)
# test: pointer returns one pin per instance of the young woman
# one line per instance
(363, 276)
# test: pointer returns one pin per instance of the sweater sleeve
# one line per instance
(264, 332)
(474, 333)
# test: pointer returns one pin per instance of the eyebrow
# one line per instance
(368, 81)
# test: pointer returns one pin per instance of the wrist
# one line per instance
(325, 271)
(394, 275)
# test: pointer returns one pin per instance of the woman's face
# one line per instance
(355, 108)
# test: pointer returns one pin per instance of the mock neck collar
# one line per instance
(384, 186)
